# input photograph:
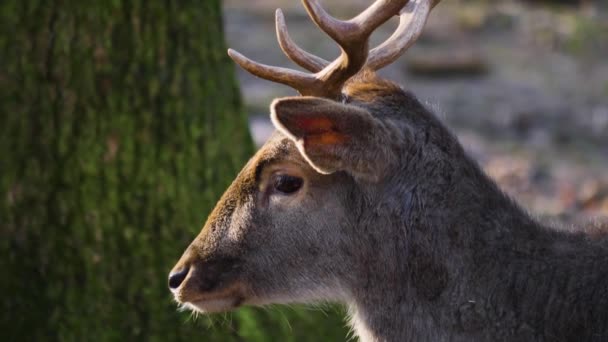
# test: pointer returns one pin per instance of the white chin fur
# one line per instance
(210, 306)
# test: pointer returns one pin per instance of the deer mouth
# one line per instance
(224, 293)
(217, 301)
(215, 305)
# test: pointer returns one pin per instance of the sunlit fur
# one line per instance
(431, 250)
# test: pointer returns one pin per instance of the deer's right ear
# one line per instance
(333, 136)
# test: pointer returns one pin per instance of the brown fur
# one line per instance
(368, 87)
(395, 221)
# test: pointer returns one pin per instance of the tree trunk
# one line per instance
(121, 125)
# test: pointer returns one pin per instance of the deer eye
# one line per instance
(287, 184)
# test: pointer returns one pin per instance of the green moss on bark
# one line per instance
(121, 125)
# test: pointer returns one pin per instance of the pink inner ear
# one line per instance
(315, 125)
(329, 138)
(319, 131)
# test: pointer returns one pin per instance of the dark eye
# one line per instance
(287, 184)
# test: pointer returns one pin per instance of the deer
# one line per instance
(363, 197)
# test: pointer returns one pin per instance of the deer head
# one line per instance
(363, 197)
(301, 223)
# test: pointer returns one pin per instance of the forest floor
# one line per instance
(524, 87)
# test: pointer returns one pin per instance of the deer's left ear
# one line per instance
(333, 136)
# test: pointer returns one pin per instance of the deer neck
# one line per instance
(480, 270)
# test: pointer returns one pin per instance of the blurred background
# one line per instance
(122, 123)
(524, 84)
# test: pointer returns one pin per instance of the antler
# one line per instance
(353, 38)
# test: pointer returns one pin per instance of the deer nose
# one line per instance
(176, 278)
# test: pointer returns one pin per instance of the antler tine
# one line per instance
(328, 24)
(295, 53)
(352, 36)
(293, 78)
(412, 19)
(357, 29)
(377, 14)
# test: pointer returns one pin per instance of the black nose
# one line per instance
(177, 278)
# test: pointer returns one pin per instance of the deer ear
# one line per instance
(333, 136)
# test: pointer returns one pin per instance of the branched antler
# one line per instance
(352, 36)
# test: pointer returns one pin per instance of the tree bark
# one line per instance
(121, 124)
